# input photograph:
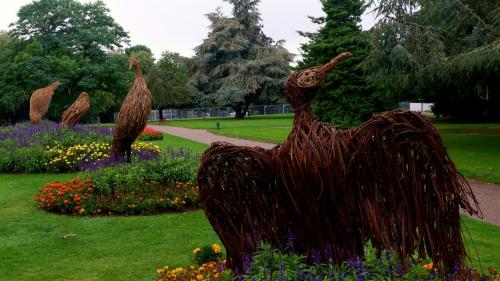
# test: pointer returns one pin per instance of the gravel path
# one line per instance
(488, 195)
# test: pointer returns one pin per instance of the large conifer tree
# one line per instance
(347, 98)
(237, 63)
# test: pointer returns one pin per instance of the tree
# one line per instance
(237, 63)
(444, 51)
(144, 55)
(74, 43)
(347, 98)
(83, 28)
(168, 81)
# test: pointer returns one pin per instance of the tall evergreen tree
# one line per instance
(237, 63)
(442, 51)
(347, 98)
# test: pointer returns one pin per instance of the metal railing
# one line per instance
(216, 112)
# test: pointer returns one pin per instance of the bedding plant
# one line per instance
(150, 134)
(50, 147)
(142, 187)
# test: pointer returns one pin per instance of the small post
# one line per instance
(218, 125)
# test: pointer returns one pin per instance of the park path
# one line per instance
(206, 137)
(487, 194)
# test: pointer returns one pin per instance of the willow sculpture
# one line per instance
(40, 101)
(134, 114)
(77, 110)
(389, 181)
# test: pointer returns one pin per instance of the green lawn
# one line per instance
(120, 248)
(104, 248)
(272, 129)
(475, 148)
(178, 143)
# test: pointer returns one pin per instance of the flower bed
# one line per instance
(25, 147)
(147, 187)
(48, 147)
(272, 264)
(86, 156)
(150, 135)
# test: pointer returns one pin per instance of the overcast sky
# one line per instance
(181, 25)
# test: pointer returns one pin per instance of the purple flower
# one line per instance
(315, 256)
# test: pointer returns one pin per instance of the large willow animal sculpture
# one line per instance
(40, 101)
(134, 114)
(77, 110)
(389, 181)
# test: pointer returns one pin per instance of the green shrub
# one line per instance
(24, 159)
(207, 254)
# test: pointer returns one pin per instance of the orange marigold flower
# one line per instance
(428, 267)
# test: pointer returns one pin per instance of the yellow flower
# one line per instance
(160, 271)
(428, 267)
(196, 251)
(199, 277)
(216, 248)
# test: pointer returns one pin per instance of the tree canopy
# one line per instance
(237, 63)
(442, 51)
(68, 41)
(347, 98)
(168, 81)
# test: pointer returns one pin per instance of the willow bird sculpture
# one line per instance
(40, 101)
(331, 191)
(134, 114)
(77, 110)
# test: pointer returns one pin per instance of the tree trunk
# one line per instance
(239, 114)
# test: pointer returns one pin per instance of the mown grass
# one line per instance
(486, 239)
(273, 129)
(121, 248)
(104, 248)
(177, 143)
(475, 148)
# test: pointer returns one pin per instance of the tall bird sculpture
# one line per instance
(77, 110)
(331, 191)
(134, 114)
(40, 101)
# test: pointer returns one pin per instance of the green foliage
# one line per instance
(346, 98)
(272, 264)
(23, 160)
(29, 148)
(168, 82)
(68, 41)
(207, 253)
(445, 51)
(82, 28)
(237, 64)
(144, 55)
(130, 177)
